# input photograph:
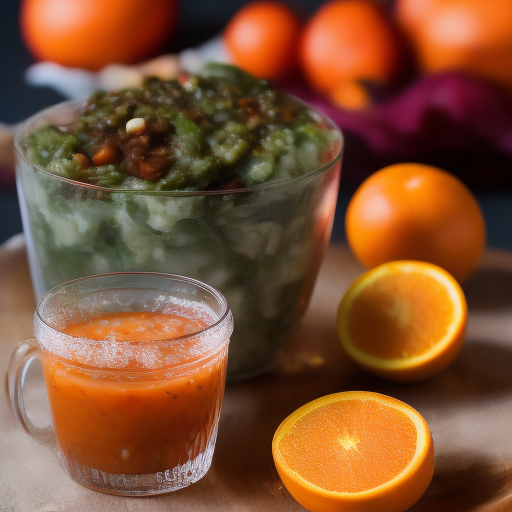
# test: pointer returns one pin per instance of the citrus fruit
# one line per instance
(354, 451)
(262, 39)
(469, 35)
(351, 95)
(349, 40)
(416, 212)
(93, 33)
(403, 320)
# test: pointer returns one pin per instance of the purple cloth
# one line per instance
(450, 120)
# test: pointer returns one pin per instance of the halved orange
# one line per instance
(403, 320)
(355, 451)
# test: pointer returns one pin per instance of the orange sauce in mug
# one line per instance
(128, 420)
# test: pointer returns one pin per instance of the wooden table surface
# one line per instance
(468, 407)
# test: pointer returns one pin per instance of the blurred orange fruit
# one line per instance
(262, 39)
(349, 40)
(474, 36)
(351, 95)
(334, 454)
(91, 34)
(411, 211)
(403, 320)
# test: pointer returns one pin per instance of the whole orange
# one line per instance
(467, 35)
(416, 212)
(93, 33)
(349, 40)
(262, 39)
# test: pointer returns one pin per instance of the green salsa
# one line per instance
(206, 176)
(222, 129)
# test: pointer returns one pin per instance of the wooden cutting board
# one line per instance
(468, 407)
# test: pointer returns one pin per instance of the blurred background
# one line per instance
(460, 122)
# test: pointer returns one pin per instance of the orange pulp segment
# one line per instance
(355, 451)
(403, 320)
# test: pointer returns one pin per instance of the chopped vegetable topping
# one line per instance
(221, 129)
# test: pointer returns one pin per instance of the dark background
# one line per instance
(199, 21)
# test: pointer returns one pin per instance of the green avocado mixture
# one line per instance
(222, 129)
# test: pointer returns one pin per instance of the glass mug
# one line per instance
(135, 367)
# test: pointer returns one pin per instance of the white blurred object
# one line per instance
(116, 76)
(70, 82)
(76, 83)
(166, 67)
(193, 59)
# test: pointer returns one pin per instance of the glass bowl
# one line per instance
(260, 246)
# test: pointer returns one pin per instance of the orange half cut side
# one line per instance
(403, 320)
(355, 451)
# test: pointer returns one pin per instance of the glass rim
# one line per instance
(221, 300)
(22, 128)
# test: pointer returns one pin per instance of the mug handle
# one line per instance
(23, 355)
